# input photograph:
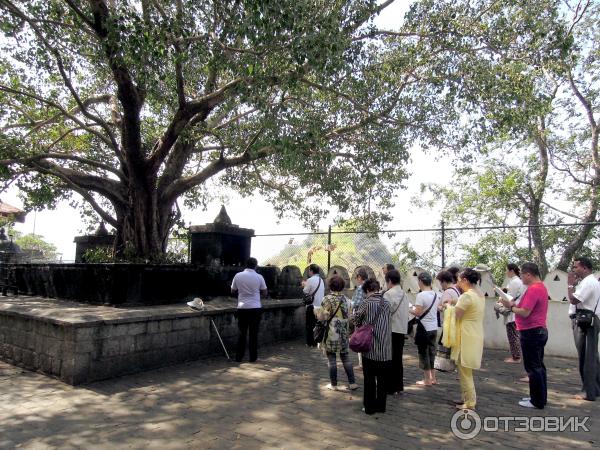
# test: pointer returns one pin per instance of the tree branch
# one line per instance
(106, 187)
(184, 184)
(200, 107)
(130, 96)
(59, 62)
(66, 157)
(584, 102)
(36, 125)
(64, 112)
(80, 13)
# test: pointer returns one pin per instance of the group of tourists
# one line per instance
(447, 327)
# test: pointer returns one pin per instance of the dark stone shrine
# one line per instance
(220, 243)
(101, 238)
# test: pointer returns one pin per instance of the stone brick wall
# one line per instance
(100, 349)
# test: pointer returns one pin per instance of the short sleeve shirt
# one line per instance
(311, 286)
(588, 293)
(535, 300)
(516, 288)
(248, 284)
(424, 299)
(450, 295)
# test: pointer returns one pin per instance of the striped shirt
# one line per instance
(382, 329)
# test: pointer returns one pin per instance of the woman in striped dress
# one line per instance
(375, 310)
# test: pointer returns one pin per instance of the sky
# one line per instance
(61, 225)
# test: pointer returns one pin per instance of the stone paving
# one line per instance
(279, 402)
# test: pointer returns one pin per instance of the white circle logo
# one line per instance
(465, 424)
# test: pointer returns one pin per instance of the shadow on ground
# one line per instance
(279, 402)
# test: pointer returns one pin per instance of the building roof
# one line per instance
(7, 210)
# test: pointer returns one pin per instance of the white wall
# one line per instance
(560, 334)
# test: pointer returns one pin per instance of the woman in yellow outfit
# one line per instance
(467, 339)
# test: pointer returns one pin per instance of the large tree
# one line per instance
(135, 104)
(528, 72)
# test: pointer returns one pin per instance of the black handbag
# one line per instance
(421, 337)
(585, 317)
(308, 299)
(321, 328)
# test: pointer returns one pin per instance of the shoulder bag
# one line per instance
(322, 326)
(361, 340)
(585, 317)
(310, 298)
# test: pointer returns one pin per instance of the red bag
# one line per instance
(361, 340)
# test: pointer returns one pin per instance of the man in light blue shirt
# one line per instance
(248, 286)
(359, 294)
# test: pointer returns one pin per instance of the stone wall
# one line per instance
(141, 284)
(80, 351)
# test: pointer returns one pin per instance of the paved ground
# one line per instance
(279, 402)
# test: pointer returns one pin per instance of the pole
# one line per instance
(189, 245)
(219, 336)
(443, 244)
(329, 249)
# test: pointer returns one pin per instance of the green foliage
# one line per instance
(99, 255)
(36, 243)
(349, 250)
(107, 255)
(134, 104)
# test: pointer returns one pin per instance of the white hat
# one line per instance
(197, 303)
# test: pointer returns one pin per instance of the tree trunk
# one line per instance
(539, 251)
(139, 233)
(537, 191)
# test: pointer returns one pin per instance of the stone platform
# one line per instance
(79, 343)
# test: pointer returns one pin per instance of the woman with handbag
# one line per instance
(374, 312)
(335, 311)
(426, 309)
(467, 349)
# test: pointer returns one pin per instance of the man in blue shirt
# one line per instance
(359, 294)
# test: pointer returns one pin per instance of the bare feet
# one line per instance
(524, 380)
(423, 383)
(512, 361)
(580, 397)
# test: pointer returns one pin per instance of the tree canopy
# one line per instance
(541, 165)
(136, 104)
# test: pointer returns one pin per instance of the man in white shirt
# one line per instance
(515, 289)
(314, 286)
(248, 286)
(399, 319)
(585, 297)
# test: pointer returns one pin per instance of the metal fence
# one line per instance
(429, 248)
